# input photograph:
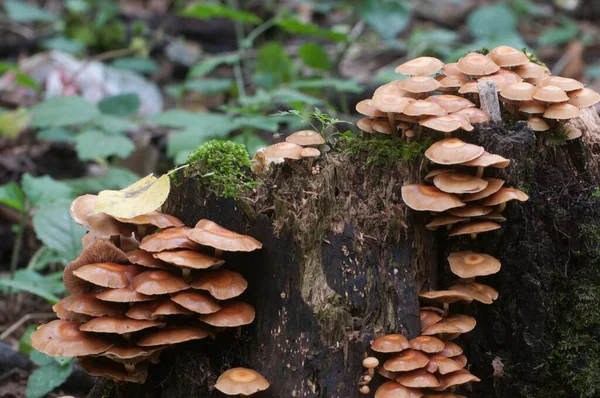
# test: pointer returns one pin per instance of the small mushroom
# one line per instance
(392, 389)
(421, 66)
(172, 335)
(487, 160)
(155, 218)
(475, 64)
(446, 297)
(482, 293)
(110, 275)
(583, 98)
(428, 344)
(565, 83)
(422, 108)
(123, 295)
(505, 195)
(537, 124)
(188, 260)
(419, 84)
(550, 95)
(428, 198)
(461, 376)
(306, 138)
(231, 314)
(444, 220)
(517, 93)
(428, 318)
(418, 378)
(406, 361)
(450, 350)
(447, 123)
(366, 108)
(530, 70)
(131, 356)
(451, 84)
(88, 304)
(468, 264)
(198, 302)
(107, 368)
(562, 112)
(451, 103)
(494, 185)
(241, 381)
(65, 339)
(158, 282)
(463, 323)
(442, 365)
(310, 154)
(168, 239)
(532, 108)
(471, 210)
(453, 151)
(146, 259)
(209, 233)
(473, 228)
(221, 284)
(508, 57)
(117, 325)
(459, 183)
(390, 343)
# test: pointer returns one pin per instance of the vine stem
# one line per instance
(237, 67)
(14, 258)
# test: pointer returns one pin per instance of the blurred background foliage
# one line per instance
(96, 93)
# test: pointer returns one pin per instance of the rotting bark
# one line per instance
(339, 263)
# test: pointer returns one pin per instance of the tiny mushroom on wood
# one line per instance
(241, 381)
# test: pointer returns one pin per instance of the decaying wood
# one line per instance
(488, 96)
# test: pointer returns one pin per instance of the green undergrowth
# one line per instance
(384, 151)
(224, 167)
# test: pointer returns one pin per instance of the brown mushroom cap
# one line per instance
(189, 259)
(428, 318)
(428, 198)
(453, 151)
(518, 92)
(459, 183)
(102, 224)
(366, 107)
(501, 80)
(444, 219)
(370, 362)
(391, 99)
(365, 125)
(429, 177)
(450, 350)
(421, 66)
(537, 124)
(124, 352)
(475, 64)
(565, 83)
(461, 376)
(494, 216)
(118, 325)
(153, 309)
(506, 56)
(155, 218)
(461, 360)
(142, 257)
(231, 314)
(198, 302)
(97, 252)
(406, 361)
(423, 108)
(419, 378)
(419, 84)
(381, 126)
(392, 389)
(494, 185)
(488, 160)
(468, 264)
(310, 153)
(221, 284)
(532, 107)
(562, 112)
(482, 293)
(474, 227)
(443, 395)
(168, 239)
(211, 234)
(572, 132)
(109, 275)
(550, 94)
(471, 210)
(387, 374)
(390, 343)
(123, 295)
(107, 368)
(583, 98)
(447, 123)
(442, 365)
(241, 381)
(451, 103)
(530, 70)
(306, 138)
(469, 88)
(446, 296)
(451, 69)
(64, 339)
(451, 84)
(158, 282)
(427, 344)
(474, 115)
(173, 335)
(88, 304)
(504, 195)
(284, 150)
(463, 322)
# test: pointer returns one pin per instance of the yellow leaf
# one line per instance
(142, 197)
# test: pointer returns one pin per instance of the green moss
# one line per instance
(384, 151)
(595, 194)
(556, 137)
(224, 166)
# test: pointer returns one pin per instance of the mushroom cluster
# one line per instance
(420, 367)
(300, 145)
(141, 285)
(448, 101)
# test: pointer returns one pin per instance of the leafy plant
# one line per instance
(319, 121)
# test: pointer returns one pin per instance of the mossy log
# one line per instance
(343, 260)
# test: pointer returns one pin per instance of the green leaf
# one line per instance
(209, 64)
(273, 66)
(120, 105)
(56, 229)
(208, 11)
(252, 142)
(20, 78)
(45, 189)
(434, 42)
(12, 196)
(496, 20)
(23, 12)
(348, 85)
(290, 96)
(40, 359)
(314, 56)
(25, 340)
(258, 122)
(296, 27)
(63, 111)
(56, 134)
(561, 34)
(136, 64)
(209, 86)
(209, 123)
(115, 178)
(113, 125)
(93, 144)
(64, 44)
(185, 142)
(46, 379)
(31, 287)
(386, 17)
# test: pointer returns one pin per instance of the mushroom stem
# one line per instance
(480, 171)
(501, 207)
(392, 121)
(129, 367)
(309, 165)
(186, 273)
(116, 240)
(473, 236)
(218, 253)
(446, 308)
(448, 134)
(295, 165)
(371, 372)
(127, 336)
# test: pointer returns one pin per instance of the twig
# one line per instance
(237, 67)
(14, 258)
(25, 318)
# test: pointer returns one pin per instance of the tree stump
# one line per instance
(343, 260)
